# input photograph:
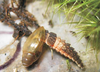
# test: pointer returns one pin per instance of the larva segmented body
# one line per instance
(64, 48)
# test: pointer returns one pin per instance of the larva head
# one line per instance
(32, 48)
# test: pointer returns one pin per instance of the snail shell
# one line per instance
(32, 48)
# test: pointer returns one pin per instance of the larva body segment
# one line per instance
(33, 47)
(64, 48)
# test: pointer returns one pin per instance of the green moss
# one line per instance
(88, 11)
(68, 64)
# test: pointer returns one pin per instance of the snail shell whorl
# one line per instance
(29, 58)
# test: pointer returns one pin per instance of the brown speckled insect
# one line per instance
(33, 47)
